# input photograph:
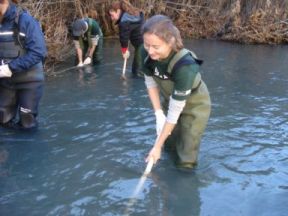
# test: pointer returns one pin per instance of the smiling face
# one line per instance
(115, 14)
(157, 48)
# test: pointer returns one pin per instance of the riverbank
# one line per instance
(250, 21)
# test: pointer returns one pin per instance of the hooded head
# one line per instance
(80, 26)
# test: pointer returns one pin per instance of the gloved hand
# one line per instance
(5, 71)
(80, 64)
(126, 55)
(160, 121)
(87, 60)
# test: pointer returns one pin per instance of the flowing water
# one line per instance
(95, 130)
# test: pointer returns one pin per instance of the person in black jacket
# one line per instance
(22, 52)
(129, 20)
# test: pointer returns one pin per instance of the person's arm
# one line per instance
(124, 34)
(90, 51)
(183, 82)
(154, 96)
(89, 54)
(78, 51)
(155, 152)
(174, 111)
(34, 44)
(95, 35)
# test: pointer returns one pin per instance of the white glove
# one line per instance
(80, 64)
(160, 121)
(126, 55)
(87, 61)
(5, 71)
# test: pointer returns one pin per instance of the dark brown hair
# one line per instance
(163, 27)
(125, 6)
(92, 14)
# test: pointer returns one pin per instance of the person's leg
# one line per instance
(137, 61)
(170, 143)
(98, 53)
(8, 105)
(191, 130)
(29, 96)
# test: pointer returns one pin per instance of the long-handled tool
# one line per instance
(139, 187)
(149, 167)
(124, 69)
(75, 67)
(124, 65)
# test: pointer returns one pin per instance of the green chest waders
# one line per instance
(192, 122)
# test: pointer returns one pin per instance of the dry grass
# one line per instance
(249, 21)
(246, 21)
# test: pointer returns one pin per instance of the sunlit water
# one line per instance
(95, 130)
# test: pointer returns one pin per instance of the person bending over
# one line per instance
(172, 71)
(88, 41)
(129, 20)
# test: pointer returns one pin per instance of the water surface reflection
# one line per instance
(96, 129)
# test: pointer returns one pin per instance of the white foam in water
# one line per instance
(139, 187)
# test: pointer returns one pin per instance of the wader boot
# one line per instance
(137, 62)
(28, 121)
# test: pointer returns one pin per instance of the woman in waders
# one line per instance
(173, 72)
(129, 20)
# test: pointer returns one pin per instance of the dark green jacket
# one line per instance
(182, 81)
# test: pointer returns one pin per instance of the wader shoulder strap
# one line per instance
(176, 58)
(16, 30)
(180, 55)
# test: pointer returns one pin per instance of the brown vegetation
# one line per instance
(246, 21)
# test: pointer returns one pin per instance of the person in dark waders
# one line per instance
(129, 20)
(22, 52)
(174, 71)
(88, 41)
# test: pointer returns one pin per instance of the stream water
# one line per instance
(96, 129)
